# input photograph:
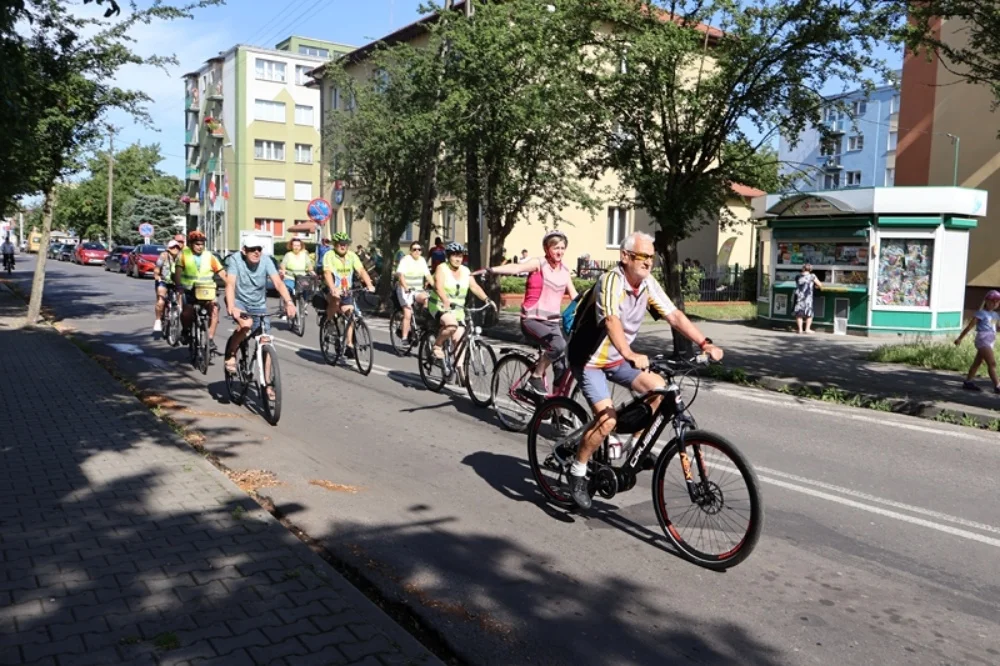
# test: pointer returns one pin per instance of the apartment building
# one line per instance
(948, 135)
(598, 235)
(252, 140)
(861, 151)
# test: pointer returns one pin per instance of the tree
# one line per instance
(521, 110)
(977, 58)
(679, 96)
(68, 77)
(162, 212)
(83, 205)
(385, 140)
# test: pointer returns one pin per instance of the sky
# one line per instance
(237, 22)
(249, 22)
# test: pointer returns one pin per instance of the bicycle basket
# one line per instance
(305, 283)
(634, 417)
(205, 291)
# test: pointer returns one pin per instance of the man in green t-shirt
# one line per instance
(339, 267)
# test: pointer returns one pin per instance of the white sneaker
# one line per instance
(157, 326)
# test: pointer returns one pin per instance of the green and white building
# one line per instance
(252, 134)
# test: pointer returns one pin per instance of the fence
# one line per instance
(716, 284)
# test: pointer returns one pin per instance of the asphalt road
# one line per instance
(881, 544)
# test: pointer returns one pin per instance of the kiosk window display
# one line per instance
(879, 252)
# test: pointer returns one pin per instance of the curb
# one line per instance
(975, 417)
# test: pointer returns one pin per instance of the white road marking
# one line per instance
(126, 348)
(748, 395)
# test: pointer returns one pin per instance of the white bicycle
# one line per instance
(257, 361)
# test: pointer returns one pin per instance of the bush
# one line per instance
(581, 285)
(512, 285)
(691, 287)
(750, 285)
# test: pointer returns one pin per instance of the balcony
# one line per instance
(832, 163)
(192, 172)
(215, 91)
(836, 127)
(191, 137)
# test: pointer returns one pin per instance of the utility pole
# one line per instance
(472, 199)
(111, 183)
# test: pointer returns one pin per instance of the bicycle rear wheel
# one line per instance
(237, 382)
(272, 380)
(480, 362)
(364, 353)
(553, 437)
(299, 320)
(204, 349)
(330, 340)
(431, 370)
(721, 527)
(400, 345)
(172, 326)
(512, 404)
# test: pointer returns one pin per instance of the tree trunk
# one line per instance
(38, 281)
(427, 207)
(667, 250)
(473, 237)
(384, 290)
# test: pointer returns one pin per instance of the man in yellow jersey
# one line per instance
(196, 264)
(339, 267)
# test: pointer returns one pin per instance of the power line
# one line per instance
(262, 31)
(290, 24)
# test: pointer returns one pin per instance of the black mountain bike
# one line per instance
(8, 263)
(333, 337)
(472, 360)
(305, 285)
(199, 344)
(705, 493)
(257, 361)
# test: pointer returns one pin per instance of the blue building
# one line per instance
(861, 151)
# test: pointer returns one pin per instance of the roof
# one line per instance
(746, 190)
(408, 32)
(898, 200)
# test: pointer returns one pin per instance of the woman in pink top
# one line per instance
(541, 313)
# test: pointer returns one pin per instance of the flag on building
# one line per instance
(225, 185)
(211, 189)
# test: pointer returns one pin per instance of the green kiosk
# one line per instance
(892, 260)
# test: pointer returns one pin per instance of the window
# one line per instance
(303, 153)
(831, 181)
(858, 108)
(269, 150)
(617, 226)
(314, 51)
(856, 142)
(348, 221)
(407, 233)
(270, 70)
(448, 224)
(893, 139)
(853, 178)
(276, 227)
(335, 98)
(303, 115)
(303, 191)
(302, 74)
(830, 147)
(272, 112)
(904, 272)
(890, 177)
(268, 188)
(894, 104)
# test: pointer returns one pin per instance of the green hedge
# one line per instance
(515, 285)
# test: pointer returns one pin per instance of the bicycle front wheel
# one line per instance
(204, 350)
(480, 362)
(364, 352)
(237, 382)
(173, 326)
(299, 321)
(721, 525)
(554, 434)
(270, 390)
(400, 345)
(330, 337)
(511, 402)
(431, 369)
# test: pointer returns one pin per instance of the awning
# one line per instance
(303, 228)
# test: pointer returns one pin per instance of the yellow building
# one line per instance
(252, 140)
(948, 135)
(598, 236)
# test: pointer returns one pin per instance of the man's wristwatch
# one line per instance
(705, 343)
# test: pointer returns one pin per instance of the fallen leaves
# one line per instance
(251, 480)
(335, 487)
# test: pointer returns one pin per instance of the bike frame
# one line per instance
(471, 332)
(561, 387)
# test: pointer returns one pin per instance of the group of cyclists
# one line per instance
(599, 350)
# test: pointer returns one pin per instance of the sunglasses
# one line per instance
(641, 256)
(416, 249)
(255, 249)
(197, 242)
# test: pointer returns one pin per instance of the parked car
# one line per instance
(89, 253)
(66, 252)
(55, 249)
(142, 260)
(117, 259)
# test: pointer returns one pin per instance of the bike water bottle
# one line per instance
(614, 447)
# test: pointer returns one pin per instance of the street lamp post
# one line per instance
(957, 140)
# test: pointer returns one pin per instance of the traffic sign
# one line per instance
(319, 210)
(338, 192)
(146, 230)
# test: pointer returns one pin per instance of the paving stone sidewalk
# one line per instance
(119, 544)
(780, 357)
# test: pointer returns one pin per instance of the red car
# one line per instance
(142, 260)
(89, 253)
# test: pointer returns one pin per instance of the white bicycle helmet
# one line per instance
(555, 233)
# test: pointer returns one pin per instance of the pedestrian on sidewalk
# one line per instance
(986, 320)
(805, 283)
